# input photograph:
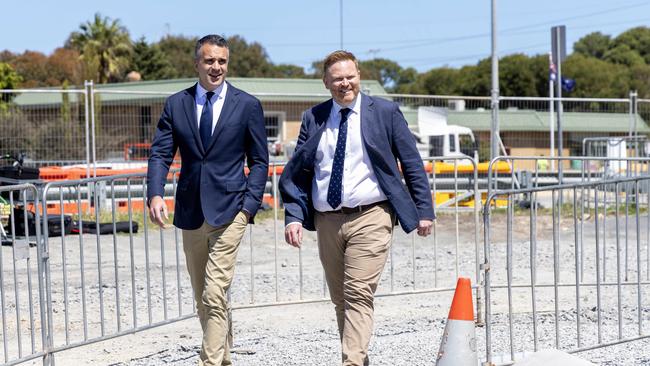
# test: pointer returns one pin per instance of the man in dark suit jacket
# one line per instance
(216, 127)
(344, 182)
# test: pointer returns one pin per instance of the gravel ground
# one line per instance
(408, 327)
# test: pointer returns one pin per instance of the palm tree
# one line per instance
(105, 47)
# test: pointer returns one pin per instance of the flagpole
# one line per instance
(551, 108)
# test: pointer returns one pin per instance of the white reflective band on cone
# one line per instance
(458, 346)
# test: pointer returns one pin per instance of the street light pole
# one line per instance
(494, 104)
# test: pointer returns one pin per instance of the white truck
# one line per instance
(437, 138)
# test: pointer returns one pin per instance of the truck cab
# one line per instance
(437, 138)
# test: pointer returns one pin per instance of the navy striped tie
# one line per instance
(334, 190)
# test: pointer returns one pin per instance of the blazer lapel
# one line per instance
(229, 107)
(367, 110)
(189, 106)
(321, 115)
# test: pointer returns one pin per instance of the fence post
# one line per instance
(92, 128)
(45, 284)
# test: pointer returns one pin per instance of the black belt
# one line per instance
(357, 209)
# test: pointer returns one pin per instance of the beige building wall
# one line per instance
(541, 153)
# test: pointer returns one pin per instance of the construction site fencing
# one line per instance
(24, 297)
(97, 124)
(48, 126)
(113, 273)
(567, 262)
(106, 271)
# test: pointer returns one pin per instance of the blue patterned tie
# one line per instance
(334, 190)
(205, 124)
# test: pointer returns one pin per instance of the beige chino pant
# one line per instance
(353, 249)
(210, 254)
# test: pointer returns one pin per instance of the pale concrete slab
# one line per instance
(552, 357)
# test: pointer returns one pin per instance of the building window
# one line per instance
(273, 122)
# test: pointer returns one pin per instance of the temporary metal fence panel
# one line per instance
(49, 126)
(528, 125)
(23, 299)
(104, 286)
(96, 125)
(570, 270)
(112, 274)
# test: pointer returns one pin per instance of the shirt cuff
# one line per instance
(293, 223)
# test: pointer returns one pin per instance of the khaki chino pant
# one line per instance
(353, 249)
(211, 253)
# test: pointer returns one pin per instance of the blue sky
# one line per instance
(420, 33)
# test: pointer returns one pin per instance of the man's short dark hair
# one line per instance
(337, 56)
(213, 39)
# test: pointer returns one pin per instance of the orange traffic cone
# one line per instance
(458, 346)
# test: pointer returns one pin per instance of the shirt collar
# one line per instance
(355, 106)
(220, 91)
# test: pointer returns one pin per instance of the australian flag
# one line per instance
(552, 70)
(567, 84)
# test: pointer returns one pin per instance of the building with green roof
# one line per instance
(126, 114)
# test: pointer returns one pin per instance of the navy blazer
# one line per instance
(386, 138)
(212, 184)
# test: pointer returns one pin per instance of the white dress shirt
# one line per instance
(359, 185)
(217, 102)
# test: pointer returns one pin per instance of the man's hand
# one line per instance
(293, 234)
(158, 211)
(424, 227)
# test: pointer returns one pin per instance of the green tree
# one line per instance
(248, 59)
(539, 66)
(596, 78)
(407, 78)
(439, 81)
(517, 76)
(640, 80)
(105, 47)
(623, 54)
(476, 80)
(288, 71)
(594, 44)
(9, 79)
(637, 39)
(317, 69)
(151, 62)
(179, 50)
(385, 71)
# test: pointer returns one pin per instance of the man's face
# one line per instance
(212, 66)
(342, 79)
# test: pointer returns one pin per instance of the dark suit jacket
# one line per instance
(212, 184)
(386, 137)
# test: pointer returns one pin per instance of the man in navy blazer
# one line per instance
(344, 182)
(216, 127)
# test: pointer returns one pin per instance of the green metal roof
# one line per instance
(282, 90)
(531, 120)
